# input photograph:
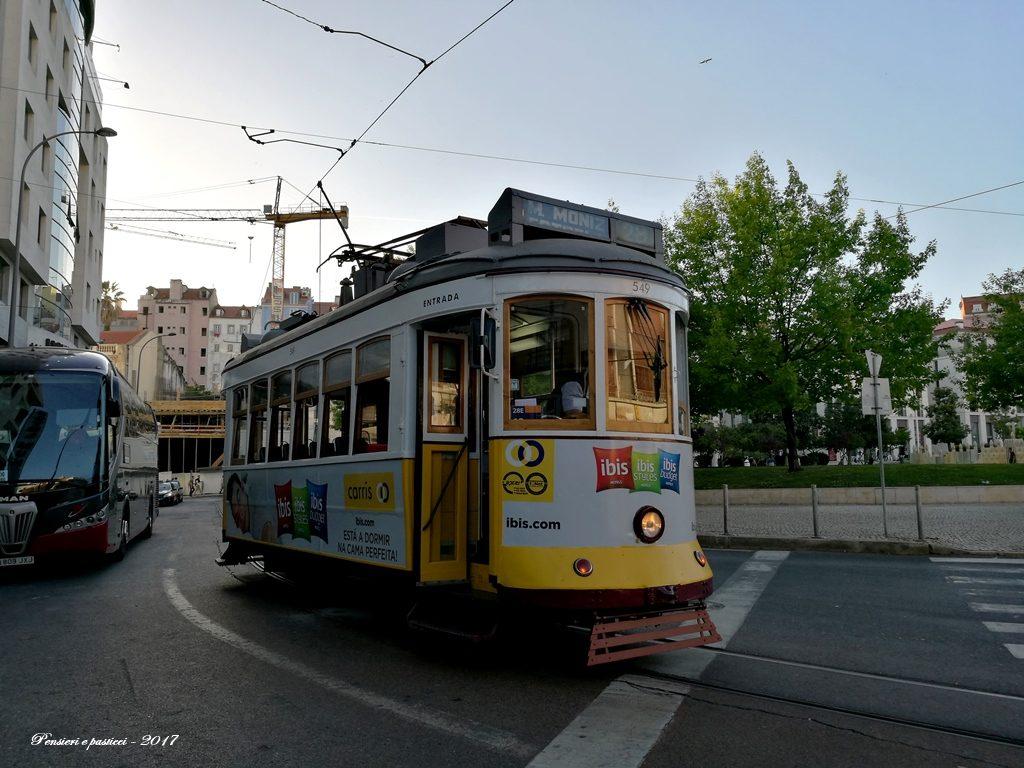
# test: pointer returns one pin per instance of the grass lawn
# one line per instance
(862, 476)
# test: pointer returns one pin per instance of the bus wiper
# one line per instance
(24, 441)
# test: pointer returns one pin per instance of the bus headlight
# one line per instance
(648, 524)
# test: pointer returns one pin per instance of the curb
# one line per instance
(873, 547)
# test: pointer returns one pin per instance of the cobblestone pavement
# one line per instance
(978, 527)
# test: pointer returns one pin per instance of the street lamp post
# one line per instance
(16, 265)
(138, 368)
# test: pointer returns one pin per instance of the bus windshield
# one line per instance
(51, 428)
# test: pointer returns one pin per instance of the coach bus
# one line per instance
(501, 416)
(78, 471)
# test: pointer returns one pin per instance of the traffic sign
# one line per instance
(867, 397)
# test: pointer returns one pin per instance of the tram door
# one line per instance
(445, 459)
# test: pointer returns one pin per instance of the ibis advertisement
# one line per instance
(353, 511)
(561, 493)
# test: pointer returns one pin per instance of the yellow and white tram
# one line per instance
(502, 415)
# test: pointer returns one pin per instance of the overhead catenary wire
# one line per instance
(501, 158)
(962, 197)
(331, 30)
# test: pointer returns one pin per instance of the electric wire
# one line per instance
(513, 159)
(333, 31)
(962, 197)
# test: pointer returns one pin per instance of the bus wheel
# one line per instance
(122, 542)
(148, 530)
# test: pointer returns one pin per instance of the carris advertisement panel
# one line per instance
(354, 511)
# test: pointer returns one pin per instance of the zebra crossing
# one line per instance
(993, 588)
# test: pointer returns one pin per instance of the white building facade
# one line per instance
(49, 86)
(224, 338)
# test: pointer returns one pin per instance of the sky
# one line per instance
(915, 101)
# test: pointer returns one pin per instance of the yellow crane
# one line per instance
(270, 213)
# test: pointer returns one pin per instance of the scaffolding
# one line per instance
(190, 434)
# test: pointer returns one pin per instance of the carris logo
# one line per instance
(524, 453)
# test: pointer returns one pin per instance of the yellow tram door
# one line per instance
(444, 498)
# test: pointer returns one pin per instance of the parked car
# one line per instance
(179, 493)
(166, 495)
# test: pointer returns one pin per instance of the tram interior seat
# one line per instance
(300, 452)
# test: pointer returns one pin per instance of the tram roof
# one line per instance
(544, 255)
(30, 359)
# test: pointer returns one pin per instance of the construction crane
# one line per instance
(168, 235)
(271, 214)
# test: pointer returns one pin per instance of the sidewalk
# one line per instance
(980, 528)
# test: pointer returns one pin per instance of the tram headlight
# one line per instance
(648, 524)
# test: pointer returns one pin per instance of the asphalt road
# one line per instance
(245, 669)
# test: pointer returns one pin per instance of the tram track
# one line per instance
(981, 736)
(920, 725)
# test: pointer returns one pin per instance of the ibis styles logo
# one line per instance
(301, 512)
(636, 471)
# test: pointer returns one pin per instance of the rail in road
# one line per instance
(826, 659)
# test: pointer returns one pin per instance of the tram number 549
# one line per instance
(641, 286)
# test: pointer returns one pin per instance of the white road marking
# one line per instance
(973, 580)
(481, 734)
(737, 596)
(619, 727)
(990, 560)
(1010, 594)
(1003, 626)
(1017, 649)
(996, 608)
(972, 569)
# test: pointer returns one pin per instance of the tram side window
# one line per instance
(258, 422)
(280, 416)
(550, 376)
(639, 365)
(337, 408)
(307, 391)
(683, 376)
(240, 424)
(373, 390)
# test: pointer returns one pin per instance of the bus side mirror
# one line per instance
(114, 399)
(482, 343)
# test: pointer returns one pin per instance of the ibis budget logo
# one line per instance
(527, 471)
(370, 491)
(624, 468)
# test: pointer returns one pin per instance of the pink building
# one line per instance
(185, 312)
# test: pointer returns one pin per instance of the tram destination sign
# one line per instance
(537, 213)
(519, 216)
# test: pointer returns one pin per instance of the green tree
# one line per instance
(788, 292)
(110, 303)
(944, 425)
(993, 356)
(197, 392)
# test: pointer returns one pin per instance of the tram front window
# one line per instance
(549, 362)
(639, 387)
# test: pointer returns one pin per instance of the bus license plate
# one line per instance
(26, 560)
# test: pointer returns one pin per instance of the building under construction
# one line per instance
(191, 434)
